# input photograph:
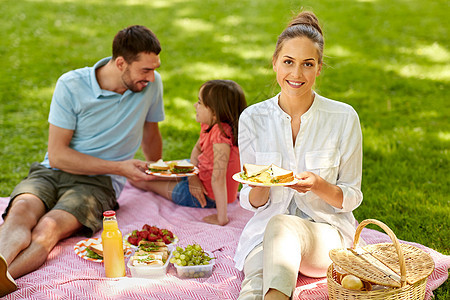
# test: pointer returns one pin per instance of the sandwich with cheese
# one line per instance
(266, 174)
(146, 260)
(251, 170)
(280, 175)
(158, 167)
(182, 167)
(150, 254)
(155, 248)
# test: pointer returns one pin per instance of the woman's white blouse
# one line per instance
(329, 143)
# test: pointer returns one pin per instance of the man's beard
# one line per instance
(128, 82)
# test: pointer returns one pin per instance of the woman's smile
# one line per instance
(295, 84)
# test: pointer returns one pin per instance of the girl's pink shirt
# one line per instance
(206, 158)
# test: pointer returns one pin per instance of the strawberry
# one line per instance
(142, 234)
(152, 237)
(166, 239)
(133, 240)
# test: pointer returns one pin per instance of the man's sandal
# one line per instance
(7, 283)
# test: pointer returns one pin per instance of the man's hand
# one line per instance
(134, 169)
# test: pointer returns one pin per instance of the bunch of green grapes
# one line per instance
(192, 255)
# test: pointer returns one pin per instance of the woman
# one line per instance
(319, 139)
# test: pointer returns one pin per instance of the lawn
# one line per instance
(389, 59)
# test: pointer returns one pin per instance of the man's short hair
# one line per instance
(132, 41)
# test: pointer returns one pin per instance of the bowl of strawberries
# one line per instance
(152, 234)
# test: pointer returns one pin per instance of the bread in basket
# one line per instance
(400, 271)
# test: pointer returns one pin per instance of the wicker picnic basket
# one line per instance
(400, 271)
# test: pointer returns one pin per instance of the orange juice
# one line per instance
(112, 246)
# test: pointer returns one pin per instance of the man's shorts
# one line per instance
(182, 196)
(85, 197)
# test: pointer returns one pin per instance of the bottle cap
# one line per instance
(109, 213)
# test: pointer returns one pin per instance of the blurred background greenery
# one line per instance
(389, 59)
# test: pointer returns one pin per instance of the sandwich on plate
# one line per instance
(182, 167)
(266, 174)
(251, 170)
(280, 175)
(95, 251)
(158, 167)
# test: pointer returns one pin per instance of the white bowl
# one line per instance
(200, 271)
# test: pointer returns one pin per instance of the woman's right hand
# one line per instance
(197, 189)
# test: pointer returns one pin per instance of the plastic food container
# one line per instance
(200, 271)
(149, 271)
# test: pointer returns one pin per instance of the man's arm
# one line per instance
(62, 157)
(151, 141)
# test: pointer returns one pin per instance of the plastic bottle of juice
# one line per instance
(112, 246)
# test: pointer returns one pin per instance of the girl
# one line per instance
(294, 227)
(220, 102)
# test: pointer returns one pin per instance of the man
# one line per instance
(99, 116)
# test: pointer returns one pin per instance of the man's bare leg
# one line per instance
(15, 232)
(15, 235)
(51, 228)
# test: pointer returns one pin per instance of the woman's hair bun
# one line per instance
(306, 18)
(305, 24)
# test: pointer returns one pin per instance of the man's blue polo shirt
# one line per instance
(106, 124)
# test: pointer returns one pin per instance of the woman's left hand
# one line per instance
(306, 183)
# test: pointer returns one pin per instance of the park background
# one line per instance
(389, 59)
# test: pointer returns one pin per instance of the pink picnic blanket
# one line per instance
(67, 276)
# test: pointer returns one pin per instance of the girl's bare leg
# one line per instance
(161, 187)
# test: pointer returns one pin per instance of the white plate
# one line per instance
(173, 175)
(81, 246)
(168, 174)
(125, 241)
(238, 178)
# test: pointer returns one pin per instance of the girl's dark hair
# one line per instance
(132, 41)
(226, 99)
(305, 24)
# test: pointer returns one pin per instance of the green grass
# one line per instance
(389, 59)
